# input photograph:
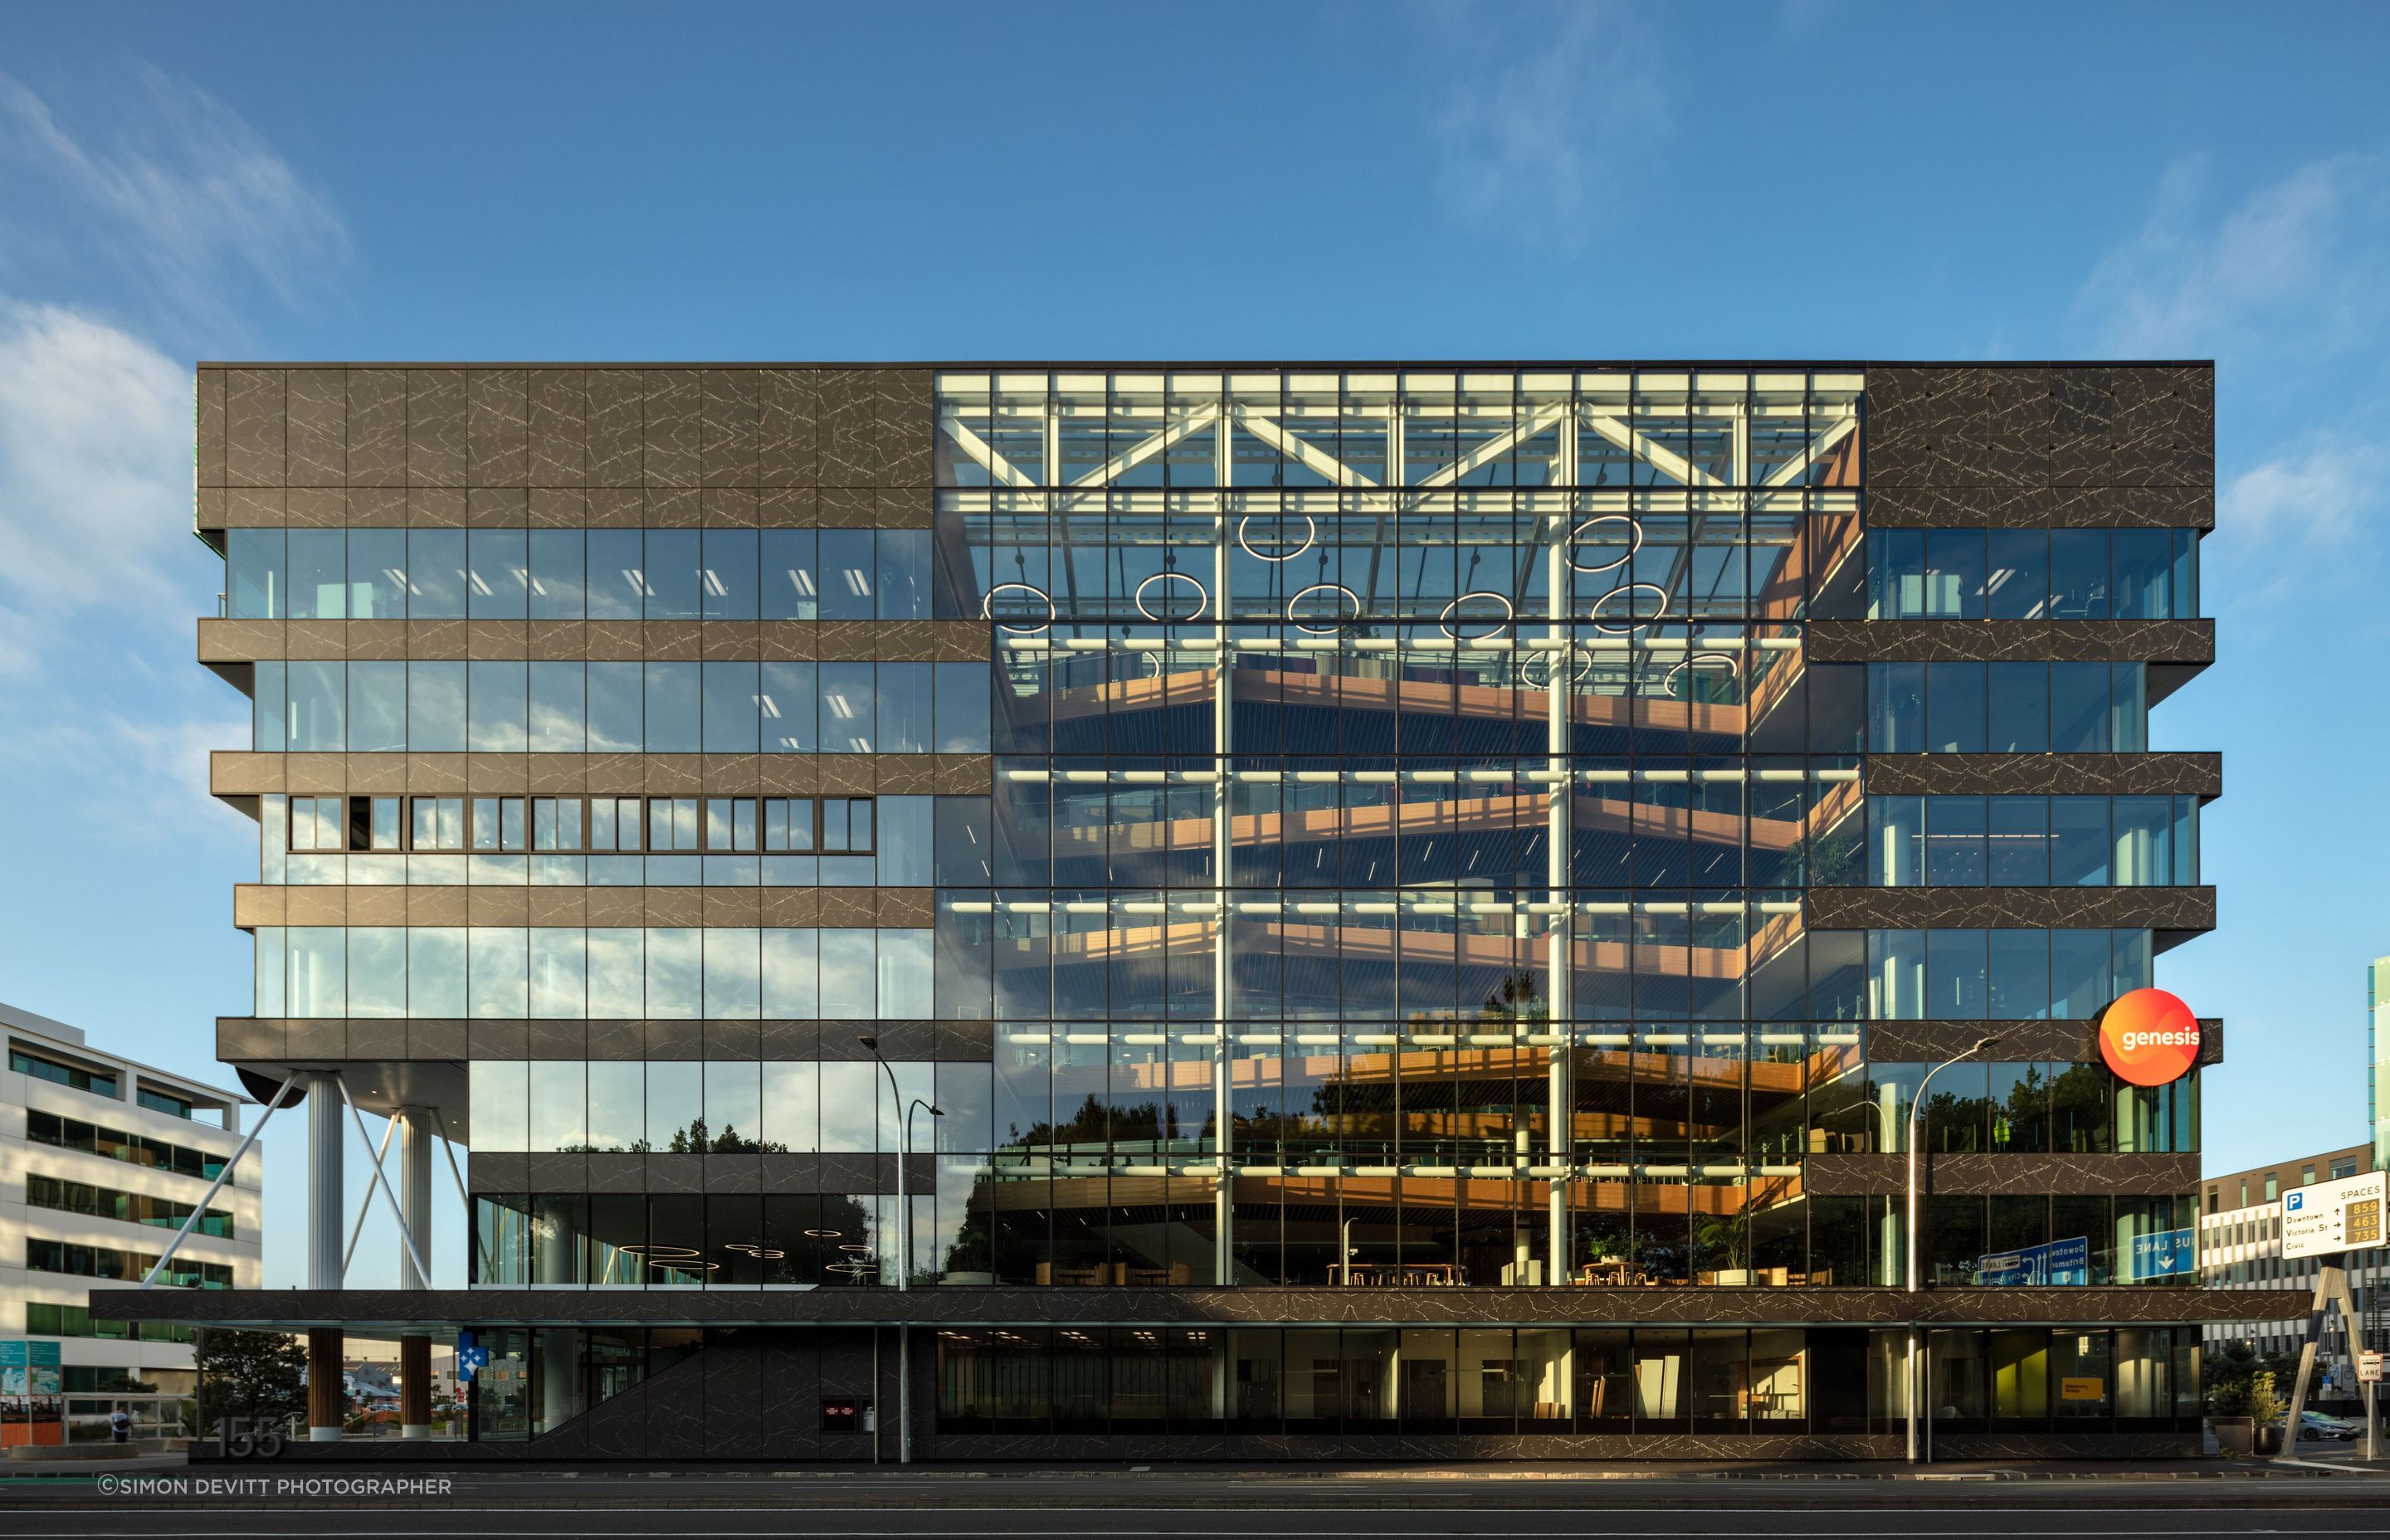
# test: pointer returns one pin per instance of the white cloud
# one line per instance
(94, 467)
(2288, 288)
(112, 765)
(183, 188)
(2295, 267)
(2300, 520)
(1540, 130)
(175, 211)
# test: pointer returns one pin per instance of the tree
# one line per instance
(2242, 1382)
(257, 1375)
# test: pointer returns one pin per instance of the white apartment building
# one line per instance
(101, 1160)
(2241, 1247)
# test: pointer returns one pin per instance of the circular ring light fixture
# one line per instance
(1203, 597)
(1576, 675)
(676, 1264)
(824, 1234)
(1310, 534)
(1509, 614)
(1335, 625)
(1672, 683)
(1634, 622)
(654, 1251)
(987, 607)
(1633, 544)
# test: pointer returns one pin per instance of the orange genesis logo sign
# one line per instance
(2149, 1037)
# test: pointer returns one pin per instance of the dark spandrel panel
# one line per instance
(254, 408)
(497, 428)
(437, 410)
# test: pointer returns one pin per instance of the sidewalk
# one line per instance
(2053, 1485)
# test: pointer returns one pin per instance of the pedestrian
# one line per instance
(120, 1424)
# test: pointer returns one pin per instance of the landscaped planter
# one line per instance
(2234, 1435)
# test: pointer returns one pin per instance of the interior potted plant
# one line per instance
(1724, 1241)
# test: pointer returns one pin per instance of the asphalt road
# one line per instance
(1180, 1505)
(1431, 1522)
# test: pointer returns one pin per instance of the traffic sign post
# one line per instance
(2368, 1374)
(2324, 1219)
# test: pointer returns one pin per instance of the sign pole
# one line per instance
(2331, 1284)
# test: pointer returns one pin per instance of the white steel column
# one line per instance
(326, 1146)
(1223, 718)
(1558, 1140)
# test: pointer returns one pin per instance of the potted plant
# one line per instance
(2266, 1410)
(2228, 1418)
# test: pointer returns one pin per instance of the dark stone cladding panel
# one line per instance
(209, 415)
(2010, 908)
(621, 1171)
(846, 908)
(241, 773)
(2194, 775)
(2192, 507)
(262, 1042)
(368, 1309)
(1860, 1175)
(2048, 1446)
(2087, 425)
(2061, 1042)
(2012, 641)
(2135, 1174)
(226, 640)
(847, 453)
(254, 417)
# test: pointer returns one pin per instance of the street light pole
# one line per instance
(903, 1251)
(1915, 1137)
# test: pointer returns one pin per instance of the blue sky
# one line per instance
(1816, 179)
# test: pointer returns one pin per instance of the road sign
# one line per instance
(2056, 1262)
(2166, 1254)
(2368, 1368)
(2325, 1218)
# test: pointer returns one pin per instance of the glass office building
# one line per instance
(1230, 912)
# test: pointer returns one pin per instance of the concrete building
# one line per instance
(2241, 1251)
(101, 1160)
(1087, 911)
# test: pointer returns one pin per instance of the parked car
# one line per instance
(2315, 1425)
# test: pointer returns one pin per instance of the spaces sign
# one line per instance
(2324, 1218)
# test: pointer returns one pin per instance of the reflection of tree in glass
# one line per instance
(2019, 1125)
(696, 1139)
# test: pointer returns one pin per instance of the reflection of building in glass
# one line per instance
(1423, 899)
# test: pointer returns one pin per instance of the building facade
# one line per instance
(102, 1160)
(1363, 909)
(2241, 1251)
